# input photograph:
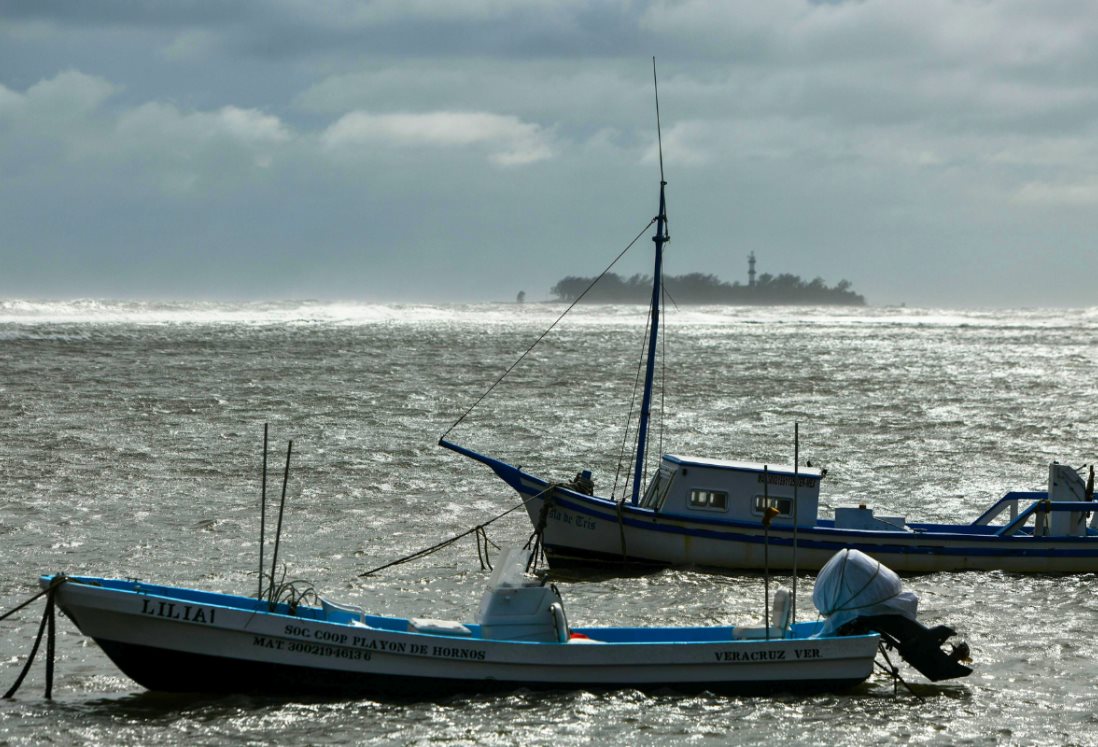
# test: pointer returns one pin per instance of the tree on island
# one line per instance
(698, 288)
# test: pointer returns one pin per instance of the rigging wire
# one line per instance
(629, 415)
(572, 305)
(663, 374)
(663, 316)
(659, 134)
(644, 445)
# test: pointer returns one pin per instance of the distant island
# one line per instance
(697, 288)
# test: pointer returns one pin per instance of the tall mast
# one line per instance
(660, 239)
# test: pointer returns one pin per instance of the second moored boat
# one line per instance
(710, 512)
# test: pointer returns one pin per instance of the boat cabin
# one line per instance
(739, 491)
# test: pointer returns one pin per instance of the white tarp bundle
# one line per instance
(853, 584)
(510, 572)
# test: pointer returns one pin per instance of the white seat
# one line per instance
(781, 611)
(344, 613)
(437, 627)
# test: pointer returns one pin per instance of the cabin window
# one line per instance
(709, 499)
(657, 490)
(784, 505)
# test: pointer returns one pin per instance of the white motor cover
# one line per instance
(518, 607)
(1065, 484)
(853, 584)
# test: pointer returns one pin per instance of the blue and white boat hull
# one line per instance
(581, 529)
(182, 640)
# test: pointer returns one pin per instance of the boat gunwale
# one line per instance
(915, 541)
(604, 635)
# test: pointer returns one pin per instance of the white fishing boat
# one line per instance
(709, 513)
(183, 640)
(697, 511)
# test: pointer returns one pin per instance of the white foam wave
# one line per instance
(536, 315)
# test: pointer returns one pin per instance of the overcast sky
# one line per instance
(932, 152)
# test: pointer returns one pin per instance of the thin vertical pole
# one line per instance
(262, 513)
(281, 508)
(766, 550)
(796, 479)
(660, 239)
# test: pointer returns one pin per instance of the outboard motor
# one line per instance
(857, 594)
(1065, 484)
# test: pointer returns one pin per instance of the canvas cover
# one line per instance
(510, 571)
(853, 584)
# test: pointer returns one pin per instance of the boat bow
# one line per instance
(513, 476)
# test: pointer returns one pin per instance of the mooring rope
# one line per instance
(536, 543)
(482, 549)
(48, 628)
(621, 530)
(294, 593)
(478, 530)
(39, 595)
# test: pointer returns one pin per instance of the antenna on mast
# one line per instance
(659, 239)
(659, 135)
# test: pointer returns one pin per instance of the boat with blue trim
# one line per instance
(174, 639)
(709, 513)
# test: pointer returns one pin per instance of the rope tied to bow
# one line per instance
(48, 628)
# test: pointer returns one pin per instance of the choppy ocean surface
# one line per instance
(131, 446)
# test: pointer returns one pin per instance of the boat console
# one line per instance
(520, 607)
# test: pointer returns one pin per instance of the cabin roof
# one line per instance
(777, 469)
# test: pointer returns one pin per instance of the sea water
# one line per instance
(131, 445)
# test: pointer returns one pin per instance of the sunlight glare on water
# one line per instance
(132, 448)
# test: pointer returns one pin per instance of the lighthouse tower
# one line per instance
(751, 270)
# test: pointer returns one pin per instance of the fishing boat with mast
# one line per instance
(704, 512)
